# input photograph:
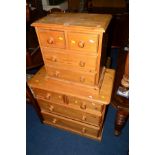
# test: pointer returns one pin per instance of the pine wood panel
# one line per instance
(85, 21)
(85, 104)
(71, 125)
(63, 99)
(70, 75)
(49, 96)
(72, 111)
(73, 61)
(83, 42)
(51, 38)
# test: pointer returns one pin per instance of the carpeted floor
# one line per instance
(45, 140)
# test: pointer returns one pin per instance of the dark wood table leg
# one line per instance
(121, 118)
(121, 103)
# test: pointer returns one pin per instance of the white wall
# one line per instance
(47, 7)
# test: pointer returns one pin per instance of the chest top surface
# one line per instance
(89, 21)
(42, 81)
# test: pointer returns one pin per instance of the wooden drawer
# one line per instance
(84, 104)
(71, 61)
(83, 78)
(49, 96)
(71, 125)
(51, 38)
(83, 42)
(71, 111)
(68, 100)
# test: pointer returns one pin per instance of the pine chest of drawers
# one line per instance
(72, 46)
(66, 107)
(73, 88)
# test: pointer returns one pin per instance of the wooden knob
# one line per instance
(60, 97)
(82, 79)
(83, 118)
(48, 96)
(54, 59)
(83, 130)
(82, 64)
(73, 41)
(51, 108)
(81, 44)
(76, 101)
(94, 105)
(57, 74)
(83, 106)
(60, 38)
(50, 41)
(54, 120)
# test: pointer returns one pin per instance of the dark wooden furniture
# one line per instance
(119, 102)
(107, 6)
(33, 54)
(77, 5)
(119, 38)
(73, 88)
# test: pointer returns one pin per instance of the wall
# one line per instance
(47, 7)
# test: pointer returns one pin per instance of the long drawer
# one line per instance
(72, 111)
(69, 100)
(72, 125)
(71, 75)
(66, 60)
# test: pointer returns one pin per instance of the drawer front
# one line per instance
(70, 111)
(88, 79)
(83, 42)
(49, 96)
(51, 38)
(83, 104)
(70, 124)
(72, 61)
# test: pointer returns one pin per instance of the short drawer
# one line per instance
(71, 125)
(88, 79)
(48, 96)
(83, 42)
(71, 61)
(51, 38)
(84, 104)
(72, 112)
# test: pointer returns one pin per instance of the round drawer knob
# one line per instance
(83, 106)
(82, 64)
(54, 59)
(60, 97)
(73, 41)
(54, 121)
(51, 108)
(50, 41)
(81, 44)
(83, 130)
(82, 79)
(60, 38)
(57, 74)
(94, 105)
(48, 96)
(84, 118)
(76, 101)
